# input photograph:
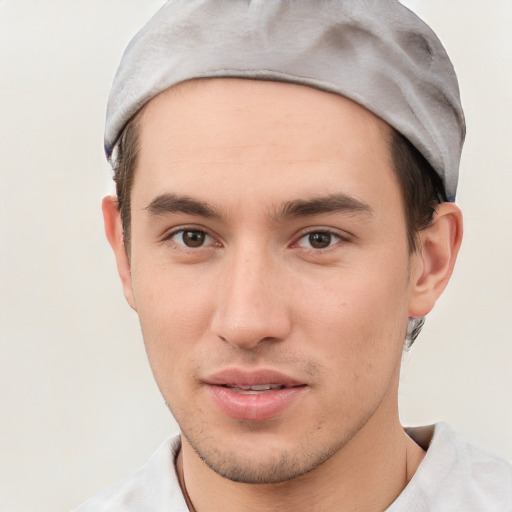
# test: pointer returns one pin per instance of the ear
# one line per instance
(434, 261)
(114, 232)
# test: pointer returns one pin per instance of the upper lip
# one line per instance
(240, 377)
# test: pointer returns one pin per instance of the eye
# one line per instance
(191, 238)
(318, 240)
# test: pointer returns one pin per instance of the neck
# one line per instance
(368, 473)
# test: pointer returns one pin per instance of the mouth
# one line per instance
(253, 395)
(253, 390)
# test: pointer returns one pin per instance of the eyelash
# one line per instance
(170, 235)
(318, 250)
(338, 238)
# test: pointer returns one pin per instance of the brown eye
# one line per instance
(191, 238)
(319, 240)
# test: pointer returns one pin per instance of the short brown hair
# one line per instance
(124, 162)
(421, 187)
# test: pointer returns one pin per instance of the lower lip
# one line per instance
(254, 406)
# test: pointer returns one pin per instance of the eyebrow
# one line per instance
(172, 203)
(334, 203)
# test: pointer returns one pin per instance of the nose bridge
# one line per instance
(251, 305)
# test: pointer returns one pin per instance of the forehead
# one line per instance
(221, 105)
(280, 140)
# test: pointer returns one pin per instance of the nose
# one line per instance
(252, 306)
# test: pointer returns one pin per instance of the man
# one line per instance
(284, 220)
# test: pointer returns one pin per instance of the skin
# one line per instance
(255, 294)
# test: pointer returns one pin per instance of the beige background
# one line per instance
(79, 408)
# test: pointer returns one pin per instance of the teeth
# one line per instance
(261, 387)
(257, 387)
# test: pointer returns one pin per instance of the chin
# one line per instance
(262, 461)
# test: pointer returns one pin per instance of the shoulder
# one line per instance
(455, 476)
(152, 488)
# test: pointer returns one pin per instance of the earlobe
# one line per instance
(438, 248)
(114, 232)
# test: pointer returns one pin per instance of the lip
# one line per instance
(253, 405)
(251, 378)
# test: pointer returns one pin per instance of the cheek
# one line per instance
(174, 311)
(358, 317)
(366, 295)
(358, 338)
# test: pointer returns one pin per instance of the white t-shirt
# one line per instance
(453, 476)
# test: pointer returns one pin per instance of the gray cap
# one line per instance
(375, 52)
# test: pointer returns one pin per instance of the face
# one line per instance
(270, 271)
